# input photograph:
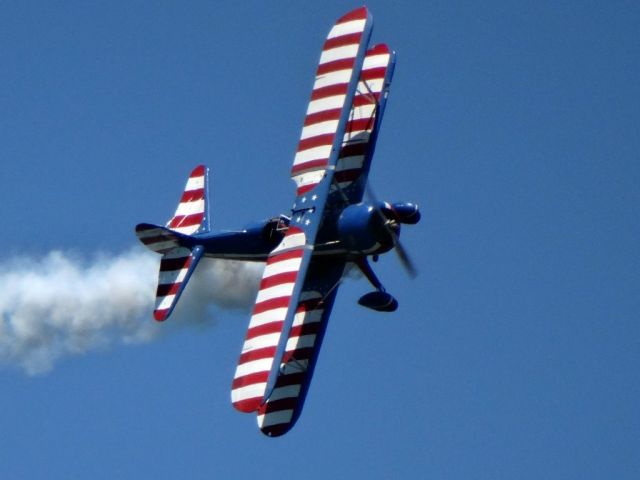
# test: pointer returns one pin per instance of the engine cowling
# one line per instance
(362, 229)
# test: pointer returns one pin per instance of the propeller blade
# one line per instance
(403, 254)
(404, 258)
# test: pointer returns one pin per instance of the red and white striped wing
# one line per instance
(328, 98)
(265, 327)
(190, 213)
(278, 414)
(359, 132)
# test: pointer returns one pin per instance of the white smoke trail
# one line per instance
(60, 305)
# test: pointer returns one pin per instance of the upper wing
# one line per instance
(286, 270)
(335, 83)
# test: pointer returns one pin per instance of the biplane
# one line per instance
(333, 225)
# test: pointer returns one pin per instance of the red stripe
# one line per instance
(360, 124)
(354, 150)
(357, 14)
(167, 289)
(278, 279)
(317, 141)
(288, 403)
(288, 255)
(192, 195)
(323, 116)
(197, 172)
(301, 354)
(186, 220)
(160, 315)
(378, 49)
(306, 188)
(342, 40)
(172, 264)
(290, 379)
(310, 305)
(271, 304)
(335, 66)
(264, 329)
(304, 329)
(376, 73)
(310, 165)
(363, 99)
(158, 239)
(329, 91)
(250, 379)
(258, 354)
(347, 175)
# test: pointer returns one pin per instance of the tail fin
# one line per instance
(180, 251)
(192, 214)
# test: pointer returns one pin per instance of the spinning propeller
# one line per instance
(392, 225)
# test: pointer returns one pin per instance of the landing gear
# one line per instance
(380, 300)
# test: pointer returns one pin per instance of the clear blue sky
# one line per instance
(515, 125)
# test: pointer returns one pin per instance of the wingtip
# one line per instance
(355, 14)
(160, 315)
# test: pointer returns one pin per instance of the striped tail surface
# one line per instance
(192, 213)
(180, 251)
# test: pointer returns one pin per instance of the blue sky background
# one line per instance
(515, 126)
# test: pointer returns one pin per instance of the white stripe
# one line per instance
(163, 303)
(346, 28)
(268, 316)
(160, 246)
(310, 295)
(189, 208)
(254, 390)
(298, 366)
(356, 136)
(268, 340)
(283, 266)
(350, 163)
(304, 341)
(305, 318)
(327, 103)
(274, 418)
(152, 232)
(187, 230)
(373, 84)
(339, 53)
(364, 111)
(260, 365)
(284, 290)
(311, 177)
(333, 78)
(290, 241)
(289, 391)
(320, 128)
(194, 183)
(172, 276)
(180, 252)
(375, 61)
(315, 153)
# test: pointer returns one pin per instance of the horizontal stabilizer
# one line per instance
(160, 239)
(176, 267)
